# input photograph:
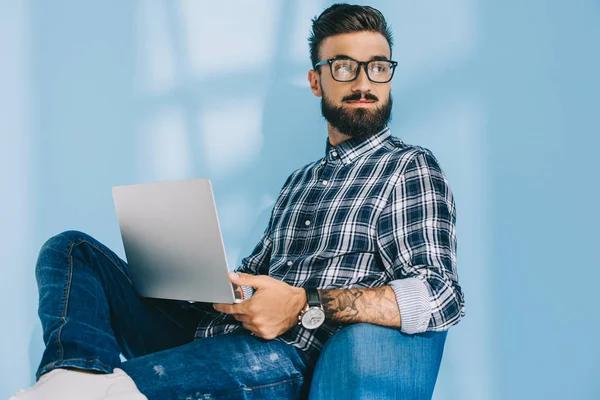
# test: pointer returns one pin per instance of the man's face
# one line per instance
(359, 108)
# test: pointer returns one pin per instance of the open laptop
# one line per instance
(173, 241)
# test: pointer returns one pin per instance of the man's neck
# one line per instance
(335, 136)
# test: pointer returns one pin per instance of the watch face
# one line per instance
(313, 318)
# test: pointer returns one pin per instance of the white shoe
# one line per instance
(64, 384)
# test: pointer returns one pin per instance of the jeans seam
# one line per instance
(65, 303)
(53, 364)
(105, 255)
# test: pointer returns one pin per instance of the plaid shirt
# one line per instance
(372, 212)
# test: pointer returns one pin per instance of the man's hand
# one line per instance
(271, 311)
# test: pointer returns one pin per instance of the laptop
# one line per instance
(173, 241)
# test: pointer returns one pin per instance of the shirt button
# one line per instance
(325, 182)
(289, 263)
(334, 153)
(307, 222)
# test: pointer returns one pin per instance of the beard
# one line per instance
(357, 122)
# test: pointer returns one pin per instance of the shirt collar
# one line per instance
(351, 149)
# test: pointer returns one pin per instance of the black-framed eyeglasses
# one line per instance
(347, 69)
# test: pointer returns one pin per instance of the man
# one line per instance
(363, 237)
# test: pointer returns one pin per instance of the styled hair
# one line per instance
(346, 18)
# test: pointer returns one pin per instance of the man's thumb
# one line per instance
(242, 279)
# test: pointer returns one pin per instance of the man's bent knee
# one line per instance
(61, 243)
(365, 356)
(64, 239)
(360, 346)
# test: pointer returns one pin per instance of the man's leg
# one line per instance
(368, 361)
(229, 366)
(90, 312)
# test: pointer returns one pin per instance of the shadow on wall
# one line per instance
(295, 135)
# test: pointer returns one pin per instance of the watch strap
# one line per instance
(312, 297)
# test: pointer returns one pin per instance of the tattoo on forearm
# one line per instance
(373, 305)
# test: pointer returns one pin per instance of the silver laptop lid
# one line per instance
(173, 241)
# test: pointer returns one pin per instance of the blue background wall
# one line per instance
(506, 94)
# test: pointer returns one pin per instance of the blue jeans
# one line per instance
(378, 363)
(91, 314)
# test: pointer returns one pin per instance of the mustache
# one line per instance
(358, 96)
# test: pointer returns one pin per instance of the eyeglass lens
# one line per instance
(346, 70)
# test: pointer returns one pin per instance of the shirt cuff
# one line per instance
(412, 296)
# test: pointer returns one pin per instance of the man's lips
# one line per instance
(360, 103)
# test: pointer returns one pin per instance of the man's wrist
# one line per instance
(302, 301)
(313, 315)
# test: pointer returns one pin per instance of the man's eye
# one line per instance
(379, 68)
(343, 68)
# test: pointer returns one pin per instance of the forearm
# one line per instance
(372, 305)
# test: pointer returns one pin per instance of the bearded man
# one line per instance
(355, 272)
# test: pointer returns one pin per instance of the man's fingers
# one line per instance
(244, 318)
(244, 307)
(225, 308)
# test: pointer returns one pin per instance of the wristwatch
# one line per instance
(313, 315)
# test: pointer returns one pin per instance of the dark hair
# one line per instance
(345, 18)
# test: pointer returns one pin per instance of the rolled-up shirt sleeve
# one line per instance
(416, 237)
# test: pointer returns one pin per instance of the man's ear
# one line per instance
(314, 82)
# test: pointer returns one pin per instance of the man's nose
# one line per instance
(362, 82)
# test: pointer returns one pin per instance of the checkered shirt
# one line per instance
(374, 211)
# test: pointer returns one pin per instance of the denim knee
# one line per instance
(371, 361)
(63, 240)
(59, 243)
(358, 346)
